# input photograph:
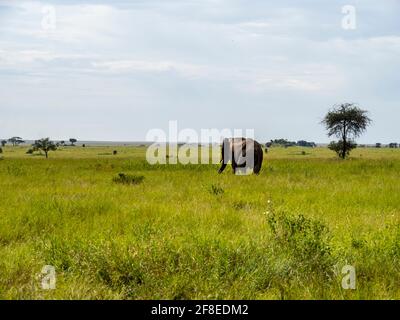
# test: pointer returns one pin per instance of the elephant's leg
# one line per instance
(234, 166)
(222, 167)
(225, 154)
(258, 161)
(257, 168)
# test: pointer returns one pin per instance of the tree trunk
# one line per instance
(344, 149)
(344, 139)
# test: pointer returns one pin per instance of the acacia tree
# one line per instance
(3, 143)
(45, 145)
(16, 141)
(347, 122)
(73, 141)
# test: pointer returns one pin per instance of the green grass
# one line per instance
(185, 232)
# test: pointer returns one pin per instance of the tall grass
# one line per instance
(187, 232)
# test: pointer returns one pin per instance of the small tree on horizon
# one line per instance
(347, 122)
(3, 143)
(16, 141)
(45, 145)
(73, 141)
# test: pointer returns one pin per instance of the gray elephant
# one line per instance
(243, 153)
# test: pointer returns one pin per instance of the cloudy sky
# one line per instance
(113, 70)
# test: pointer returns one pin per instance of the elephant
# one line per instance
(243, 153)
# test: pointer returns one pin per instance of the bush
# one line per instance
(1, 150)
(128, 179)
(115, 152)
(216, 190)
(30, 151)
(304, 240)
(340, 146)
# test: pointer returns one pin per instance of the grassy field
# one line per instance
(185, 232)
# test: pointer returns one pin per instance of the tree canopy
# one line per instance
(347, 122)
(16, 141)
(45, 145)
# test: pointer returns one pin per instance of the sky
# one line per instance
(113, 70)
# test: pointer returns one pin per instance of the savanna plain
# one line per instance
(115, 227)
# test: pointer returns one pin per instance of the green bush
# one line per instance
(216, 190)
(128, 179)
(305, 241)
(341, 148)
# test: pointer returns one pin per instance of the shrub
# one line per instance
(239, 205)
(115, 152)
(342, 148)
(1, 150)
(305, 240)
(29, 151)
(216, 190)
(128, 179)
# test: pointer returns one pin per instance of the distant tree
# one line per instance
(3, 143)
(62, 142)
(347, 122)
(16, 141)
(393, 145)
(45, 145)
(1, 150)
(378, 145)
(281, 142)
(73, 141)
(303, 143)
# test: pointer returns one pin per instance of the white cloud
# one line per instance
(129, 66)
(20, 58)
(74, 23)
(255, 24)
